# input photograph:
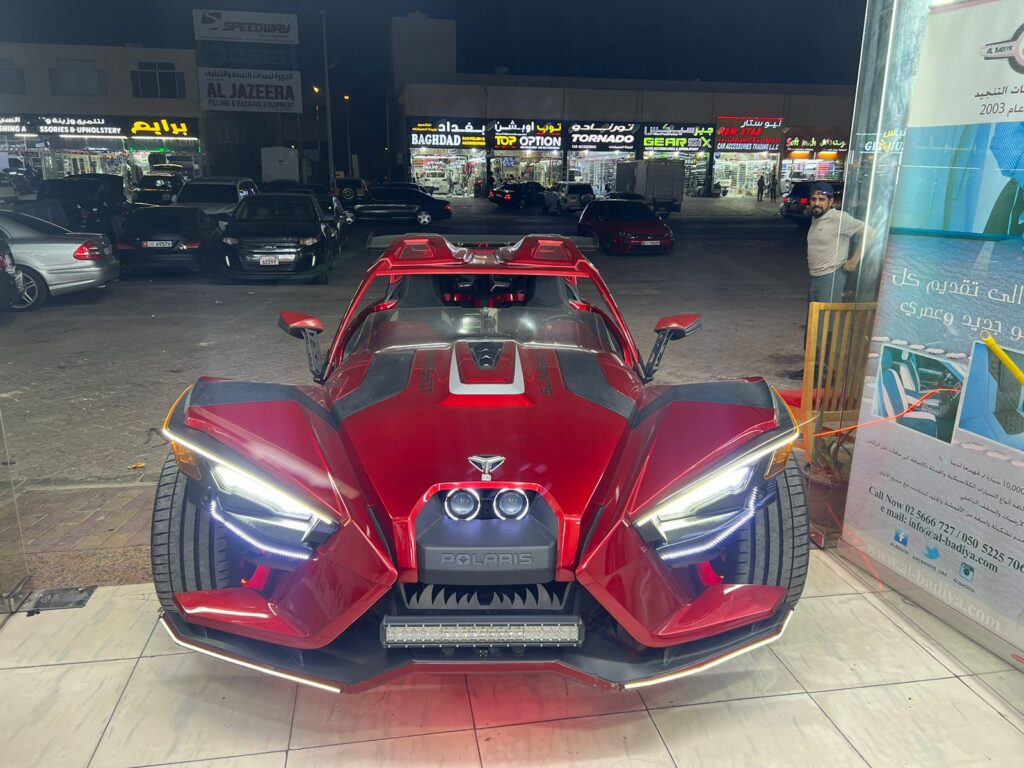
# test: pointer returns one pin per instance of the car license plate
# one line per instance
(651, 242)
(157, 243)
(268, 261)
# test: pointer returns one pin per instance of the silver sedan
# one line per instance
(51, 260)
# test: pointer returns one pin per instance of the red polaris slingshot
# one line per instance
(482, 478)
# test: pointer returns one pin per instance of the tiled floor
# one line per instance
(861, 678)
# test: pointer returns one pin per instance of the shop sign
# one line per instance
(246, 26)
(816, 141)
(246, 90)
(528, 134)
(679, 137)
(14, 124)
(247, 56)
(889, 142)
(152, 126)
(602, 136)
(453, 133)
(748, 134)
(79, 126)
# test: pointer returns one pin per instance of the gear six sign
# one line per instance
(345, 533)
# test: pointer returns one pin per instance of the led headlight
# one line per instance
(306, 241)
(293, 513)
(511, 504)
(462, 504)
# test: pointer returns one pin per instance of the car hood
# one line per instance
(211, 208)
(271, 229)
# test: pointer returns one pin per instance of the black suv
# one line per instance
(796, 203)
(351, 190)
(401, 204)
(92, 202)
(520, 194)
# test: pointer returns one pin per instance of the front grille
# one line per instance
(252, 250)
(552, 596)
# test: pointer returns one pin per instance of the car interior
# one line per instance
(904, 377)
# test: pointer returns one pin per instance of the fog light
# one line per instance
(511, 504)
(462, 504)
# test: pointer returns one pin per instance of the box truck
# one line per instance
(659, 181)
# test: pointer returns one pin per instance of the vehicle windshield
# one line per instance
(208, 193)
(162, 217)
(69, 189)
(156, 182)
(631, 211)
(275, 209)
(11, 220)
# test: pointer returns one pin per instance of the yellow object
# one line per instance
(1004, 358)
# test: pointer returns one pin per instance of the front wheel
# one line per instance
(774, 547)
(188, 550)
(32, 290)
(423, 218)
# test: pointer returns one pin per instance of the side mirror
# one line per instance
(307, 328)
(668, 329)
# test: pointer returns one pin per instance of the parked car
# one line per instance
(91, 202)
(216, 196)
(335, 215)
(277, 185)
(8, 189)
(169, 236)
(158, 188)
(796, 204)
(278, 237)
(481, 474)
(51, 260)
(407, 185)
(625, 226)
(351, 189)
(8, 288)
(567, 196)
(185, 171)
(402, 205)
(625, 196)
(517, 195)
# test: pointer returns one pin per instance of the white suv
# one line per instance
(567, 196)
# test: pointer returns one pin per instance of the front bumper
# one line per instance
(358, 661)
(161, 259)
(622, 245)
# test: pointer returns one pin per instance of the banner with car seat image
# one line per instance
(935, 493)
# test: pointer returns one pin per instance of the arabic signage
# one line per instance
(114, 126)
(748, 134)
(677, 137)
(152, 126)
(525, 134)
(937, 495)
(14, 124)
(602, 136)
(453, 133)
(814, 140)
(246, 26)
(250, 90)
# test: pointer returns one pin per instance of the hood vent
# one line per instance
(486, 353)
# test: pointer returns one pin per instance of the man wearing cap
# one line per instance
(828, 249)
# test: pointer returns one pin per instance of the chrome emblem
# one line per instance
(486, 463)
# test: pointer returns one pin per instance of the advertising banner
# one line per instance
(249, 90)
(603, 136)
(525, 134)
(937, 493)
(748, 134)
(816, 140)
(678, 137)
(452, 133)
(246, 26)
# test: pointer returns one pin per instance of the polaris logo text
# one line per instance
(487, 559)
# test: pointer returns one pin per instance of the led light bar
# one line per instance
(253, 541)
(416, 633)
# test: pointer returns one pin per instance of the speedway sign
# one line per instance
(246, 27)
(250, 90)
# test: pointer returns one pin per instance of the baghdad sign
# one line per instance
(451, 132)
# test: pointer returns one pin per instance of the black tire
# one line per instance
(188, 550)
(34, 291)
(773, 549)
(348, 193)
(323, 278)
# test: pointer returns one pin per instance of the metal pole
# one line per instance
(348, 141)
(302, 179)
(327, 102)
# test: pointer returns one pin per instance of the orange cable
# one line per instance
(913, 406)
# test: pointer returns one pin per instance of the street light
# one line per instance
(348, 140)
(316, 89)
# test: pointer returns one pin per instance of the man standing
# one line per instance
(828, 249)
(773, 187)
(760, 187)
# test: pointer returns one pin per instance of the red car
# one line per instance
(625, 226)
(482, 478)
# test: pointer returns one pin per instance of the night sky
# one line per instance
(731, 40)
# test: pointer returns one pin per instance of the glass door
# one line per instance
(13, 565)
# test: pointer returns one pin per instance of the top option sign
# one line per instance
(749, 134)
(246, 26)
(603, 136)
(526, 134)
(452, 132)
(678, 137)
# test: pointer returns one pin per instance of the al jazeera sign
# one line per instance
(249, 90)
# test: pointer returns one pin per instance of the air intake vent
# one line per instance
(518, 597)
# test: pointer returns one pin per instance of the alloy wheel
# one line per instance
(423, 218)
(29, 290)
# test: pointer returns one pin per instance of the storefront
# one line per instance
(525, 150)
(59, 145)
(596, 148)
(814, 154)
(746, 148)
(449, 155)
(681, 141)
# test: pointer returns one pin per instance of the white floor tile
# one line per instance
(933, 723)
(114, 624)
(415, 705)
(160, 643)
(266, 760)
(1009, 685)
(749, 676)
(778, 731)
(511, 699)
(54, 716)
(438, 750)
(859, 572)
(627, 740)
(823, 579)
(844, 641)
(192, 707)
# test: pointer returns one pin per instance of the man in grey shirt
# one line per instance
(828, 249)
